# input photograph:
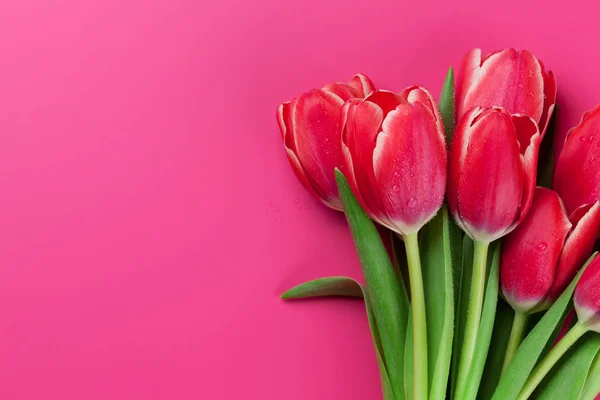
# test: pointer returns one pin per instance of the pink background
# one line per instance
(149, 218)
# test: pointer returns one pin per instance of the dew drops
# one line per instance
(326, 139)
(541, 246)
(396, 174)
(297, 201)
(412, 203)
(396, 188)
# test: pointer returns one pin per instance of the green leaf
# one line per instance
(388, 299)
(567, 378)
(486, 325)
(493, 366)
(592, 382)
(447, 104)
(330, 286)
(438, 238)
(532, 347)
(546, 155)
(462, 277)
(344, 286)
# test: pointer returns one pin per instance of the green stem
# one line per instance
(421, 382)
(551, 358)
(473, 316)
(516, 337)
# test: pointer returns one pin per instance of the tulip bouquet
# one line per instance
(475, 224)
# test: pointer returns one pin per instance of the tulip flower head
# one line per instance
(543, 254)
(512, 79)
(311, 130)
(395, 156)
(587, 296)
(492, 171)
(577, 174)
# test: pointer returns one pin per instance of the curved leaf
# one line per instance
(532, 347)
(330, 286)
(462, 277)
(495, 359)
(567, 378)
(388, 300)
(344, 286)
(438, 238)
(447, 104)
(592, 382)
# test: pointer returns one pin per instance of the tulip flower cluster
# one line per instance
(395, 159)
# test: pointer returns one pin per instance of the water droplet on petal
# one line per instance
(297, 201)
(541, 246)
(412, 202)
(396, 174)
(396, 188)
(326, 139)
(582, 138)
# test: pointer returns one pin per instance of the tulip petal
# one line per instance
(386, 100)
(458, 153)
(409, 161)
(489, 177)
(531, 252)
(418, 94)
(284, 121)
(530, 139)
(577, 175)
(510, 79)
(316, 125)
(363, 84)
(550, 102)
(343, 90)
(362, 121)
(577, 248)
(587, 296)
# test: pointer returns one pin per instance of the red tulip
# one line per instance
(311, 131)
(587, 296)
(492, 170)
(512, 79)
(395, 154)
(543, 254)
(577, 174)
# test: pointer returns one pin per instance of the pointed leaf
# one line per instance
(495, 359)
(388, 300)
(438, 238)
(344, 286)
(532, 347)
(592, 382)
(330, 286)
(447, 104)
(567, 378)
(462, 278)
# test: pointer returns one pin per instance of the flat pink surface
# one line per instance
(149, 218)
